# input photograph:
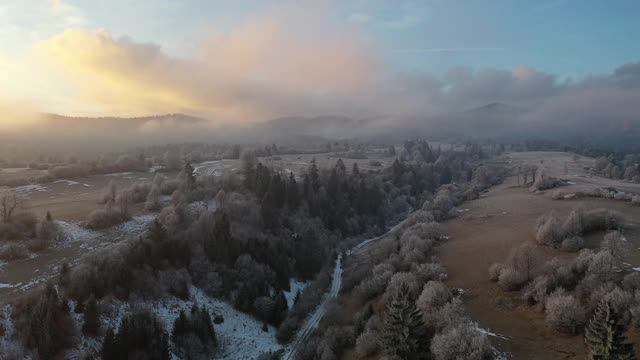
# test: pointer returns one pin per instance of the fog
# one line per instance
(326, 80)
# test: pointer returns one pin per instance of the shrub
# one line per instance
(448, 315)
(367, 343)
(494, 271)
(524, 259)
(564, 312)
(434, 295)
(430, 271)
(13, 251)
(104, 218)
(603, 219)
(574, 223)
(572, 244)
(614, 243)
(603, 265)
(631, 281)
(461, 342)
(548, 231)
(511, 279)
(376, 283)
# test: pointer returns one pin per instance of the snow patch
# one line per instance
(294, 286)
(5, 286)
(68, 182)
(155, 168)
(489, 333)
(240, 336)
(119, 174)
(74, 232)
(29, 188)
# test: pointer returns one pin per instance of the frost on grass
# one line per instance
(240, 336)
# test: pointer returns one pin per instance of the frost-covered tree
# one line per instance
(564, 312)
(109, 194)
(605, 336)
(403, 333)
(614, 243)
(461, 342)
(9, 202)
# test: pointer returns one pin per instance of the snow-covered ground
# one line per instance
(294, 287)
(119, 174)
(240, 337)
(29, 188)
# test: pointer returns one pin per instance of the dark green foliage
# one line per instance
(403, 332)
(65, 270)
(140, 336)
(156, 232)
(91, 317)
(297, 297)
(605, 336)
(219, 245)
(193, 333)
(187, 178)
(43, 323)
(109, 347)
(293, 193)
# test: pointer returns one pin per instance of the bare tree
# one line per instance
(9, 202)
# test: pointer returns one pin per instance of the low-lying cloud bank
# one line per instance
(297, 63)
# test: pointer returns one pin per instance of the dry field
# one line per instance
(72, 200)
(503, 219)
(299, 163)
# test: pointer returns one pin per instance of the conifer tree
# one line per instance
(156, 232)
(91, 317)
(109, 350)
(605, 336)
(293, 196)
(403, 332)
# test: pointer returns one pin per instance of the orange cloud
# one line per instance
(277, 64)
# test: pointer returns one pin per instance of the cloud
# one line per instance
(276, 64)
(290, 61)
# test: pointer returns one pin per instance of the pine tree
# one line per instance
(605, 336)
(403, 332)
(293, 196)
(297, 297)
(156, 232)
(179, 327)
(65, 273)
(91, 317)
(109, 346)
(187, 178)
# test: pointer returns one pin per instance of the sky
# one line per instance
(249, 60)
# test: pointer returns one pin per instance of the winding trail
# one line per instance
(336, 283)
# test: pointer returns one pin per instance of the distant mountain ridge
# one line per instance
(121, 123)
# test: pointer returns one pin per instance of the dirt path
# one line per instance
(336, 283)
(489, 228)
